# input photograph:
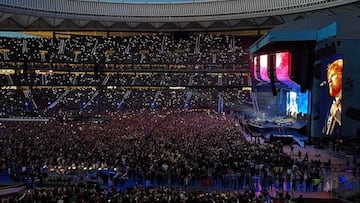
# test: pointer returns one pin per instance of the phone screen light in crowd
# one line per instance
(153, 105)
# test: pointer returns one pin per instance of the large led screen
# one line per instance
(264, 68)
(283, 69)
(331, 95)
(256, 68)
(297, 102)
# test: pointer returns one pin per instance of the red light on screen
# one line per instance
(282, 66)
(264, 68)
(283, 69)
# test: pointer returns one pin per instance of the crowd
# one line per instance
(157, 48)
(136, 137)
(142, 149)
(164, 79)
(46, 101)
(96, 73)
(141, 194)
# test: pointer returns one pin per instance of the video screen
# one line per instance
(256, 68)
(264, 68)
(297, 102)
(331, 95)
(283, 69)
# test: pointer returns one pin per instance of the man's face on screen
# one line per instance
(334, 77)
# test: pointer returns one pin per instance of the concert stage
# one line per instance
(282, 129)
(278, 122)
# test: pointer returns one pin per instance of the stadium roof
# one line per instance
(311, 29)
(163, 16)
(153, 1)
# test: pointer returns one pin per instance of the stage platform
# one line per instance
(313, 197)
(286, 139)
(280, 128)
(278, 122)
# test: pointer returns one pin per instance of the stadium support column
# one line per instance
(272, 75)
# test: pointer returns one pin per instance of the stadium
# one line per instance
(179, 101)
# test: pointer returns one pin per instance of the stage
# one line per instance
(313, 197)
(278, 129)
(278, 122)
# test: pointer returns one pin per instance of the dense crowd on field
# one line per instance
(142, 194)
(142, 149)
